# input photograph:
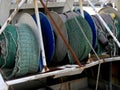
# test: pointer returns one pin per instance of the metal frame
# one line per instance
(66, 70)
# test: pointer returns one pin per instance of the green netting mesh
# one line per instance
(8, 47)
(11, 39)
(27, 55)
(117, 24)
(99, 48)
(76, 38)
(2, 49)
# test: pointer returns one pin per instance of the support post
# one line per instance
(117, 2)
(45, 68)
(68, 5)
(81, 8)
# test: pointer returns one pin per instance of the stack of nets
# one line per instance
(105, 42)
(19, 51)
(116, 20)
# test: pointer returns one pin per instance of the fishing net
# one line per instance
(76, 38)
(2, 49)
(116, 19)
(27, 56)
(104, 40)
(8, 44)
(60, 48)
(90, 21)
(117, 24)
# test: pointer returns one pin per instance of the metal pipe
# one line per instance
(62, 36)
(41, 38)
(12, 16)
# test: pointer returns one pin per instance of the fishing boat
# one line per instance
(59, 45)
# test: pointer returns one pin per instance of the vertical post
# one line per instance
(117, 2)
(110, 76)
(81, 8)
(68, 5)
(41, 38)
(4, 10)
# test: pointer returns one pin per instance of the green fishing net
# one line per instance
(27, 52)
(117, 24)
(2, 49)
(8, 44)
(76, 38)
